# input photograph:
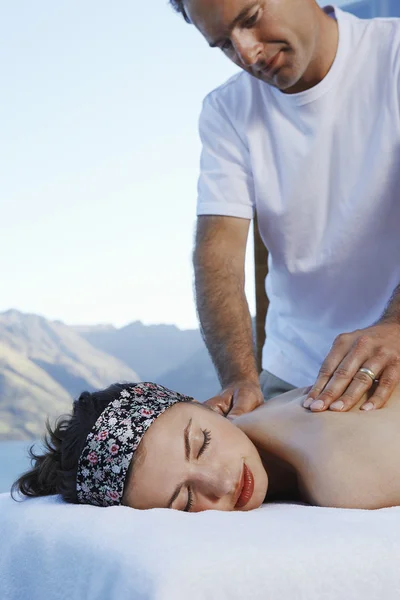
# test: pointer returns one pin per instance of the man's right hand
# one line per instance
(237, 399)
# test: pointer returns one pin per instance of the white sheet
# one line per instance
(50, 550)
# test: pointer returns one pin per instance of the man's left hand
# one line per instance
(341, 384)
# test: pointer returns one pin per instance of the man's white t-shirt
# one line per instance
(322, 170)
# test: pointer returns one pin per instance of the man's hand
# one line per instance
(341, 384)
(236, 399)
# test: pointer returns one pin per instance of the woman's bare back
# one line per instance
(348, 460)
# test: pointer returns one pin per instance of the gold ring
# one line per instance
(368, 372)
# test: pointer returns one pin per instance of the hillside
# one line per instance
(195, 377)
(43, 366)
(161, 353)
(148, 349)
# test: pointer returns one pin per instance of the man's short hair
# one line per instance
(178, 6)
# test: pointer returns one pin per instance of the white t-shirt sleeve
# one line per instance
(225, 185)
(398, 74)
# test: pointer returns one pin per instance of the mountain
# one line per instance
(165, 354)
(161, 353)
(151, 350)
(27, 395)
(43, 366)
(195, 377)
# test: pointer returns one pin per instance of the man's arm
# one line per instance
(219, 266)
(392, 311)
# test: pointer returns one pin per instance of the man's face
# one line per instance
(273, 40)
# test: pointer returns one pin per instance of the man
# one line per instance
(307, 135)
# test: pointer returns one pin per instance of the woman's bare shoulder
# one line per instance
(279, 405)
(274, 422)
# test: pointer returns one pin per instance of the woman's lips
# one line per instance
(246, 486)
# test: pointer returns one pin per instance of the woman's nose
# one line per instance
(214, 482)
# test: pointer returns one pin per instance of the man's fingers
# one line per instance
(385, 386)
(220, 403)
(236, 399)
(243, 402)
(360, 384)
(241, 409)
(337, 372)
(237, 411)
(352, 395)
(324, 389)
(347, 386)
(339, 350)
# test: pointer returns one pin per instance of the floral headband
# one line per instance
(118, 431)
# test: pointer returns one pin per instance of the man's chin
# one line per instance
(281, 82)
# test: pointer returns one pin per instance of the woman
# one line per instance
(144, 446)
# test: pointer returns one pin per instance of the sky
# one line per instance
(99, 160)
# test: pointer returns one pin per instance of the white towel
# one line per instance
(50, 550)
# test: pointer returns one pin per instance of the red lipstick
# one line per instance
(246, 487)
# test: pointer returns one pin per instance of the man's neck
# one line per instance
(326, 47)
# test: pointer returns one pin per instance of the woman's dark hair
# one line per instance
(178, 6)
(55, 470)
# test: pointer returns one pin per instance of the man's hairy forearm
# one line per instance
(225, 319)
(392, 311)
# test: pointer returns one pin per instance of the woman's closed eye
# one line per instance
(207, 440)
(189, 503)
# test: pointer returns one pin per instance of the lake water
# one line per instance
(14, 461)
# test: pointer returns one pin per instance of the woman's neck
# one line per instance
(282, 479)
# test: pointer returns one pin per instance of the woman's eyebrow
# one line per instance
(186, 438)
(186, 433)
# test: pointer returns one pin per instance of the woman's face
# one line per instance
(193, 459)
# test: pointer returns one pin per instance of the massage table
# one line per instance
(50, 550)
